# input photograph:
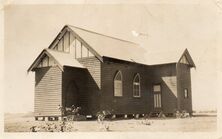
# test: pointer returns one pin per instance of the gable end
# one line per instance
(83, 43)
(187, 59)
(41, 57)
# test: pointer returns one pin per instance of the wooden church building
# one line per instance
(99, 72)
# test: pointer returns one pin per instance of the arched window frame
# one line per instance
(118, 85)
(137, 90)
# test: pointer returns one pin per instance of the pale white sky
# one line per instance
(30, 28)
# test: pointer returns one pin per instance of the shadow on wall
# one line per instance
(94, 94)
(169, 94)
(72, 94)
(80, 84)
(41, 72)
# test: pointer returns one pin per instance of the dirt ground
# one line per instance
(204, 123)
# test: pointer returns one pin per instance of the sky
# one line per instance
(28, 29)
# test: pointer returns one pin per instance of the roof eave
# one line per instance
(64, 29)
(34, 64)
(35, 61)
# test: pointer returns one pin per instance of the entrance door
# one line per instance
(157, 96)
(71, 95)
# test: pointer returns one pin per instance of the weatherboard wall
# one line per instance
(93, 85)
(126, 104)
(184, 82)
(165, 75)
(93, 65)
(48, 91)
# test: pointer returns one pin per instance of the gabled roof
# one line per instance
(167, 57)
(62, 59)
(107, 46)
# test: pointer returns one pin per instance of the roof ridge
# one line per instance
(102, 34)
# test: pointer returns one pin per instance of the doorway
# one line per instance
(157, 96)
(71, 97)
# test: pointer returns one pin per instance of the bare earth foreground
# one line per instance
(23, 122)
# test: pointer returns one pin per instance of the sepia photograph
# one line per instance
(122, 66)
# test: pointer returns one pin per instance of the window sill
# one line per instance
(118, 96)
(157, 107)
(136, 96)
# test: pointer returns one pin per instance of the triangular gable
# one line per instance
(46, 61)
(110, 47)
(186, 59)
(96, 42)
(79, 38)
(40, 60)
(54, 58)
(68, 35)
(115, 48)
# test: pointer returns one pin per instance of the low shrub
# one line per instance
(101, 115)
(66, 125)
(183, 114)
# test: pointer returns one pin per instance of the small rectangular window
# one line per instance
(185, 93)
(156, 88)
(136, 85)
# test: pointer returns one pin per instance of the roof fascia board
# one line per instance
(58, 37)
(103, 34)
(111, 59)
(38, 59)
(162, 64)
(190, 58)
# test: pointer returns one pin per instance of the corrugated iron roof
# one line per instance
(166, 57)
(64, 59)
(61, 58)
(163, 57)
(107, 46)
